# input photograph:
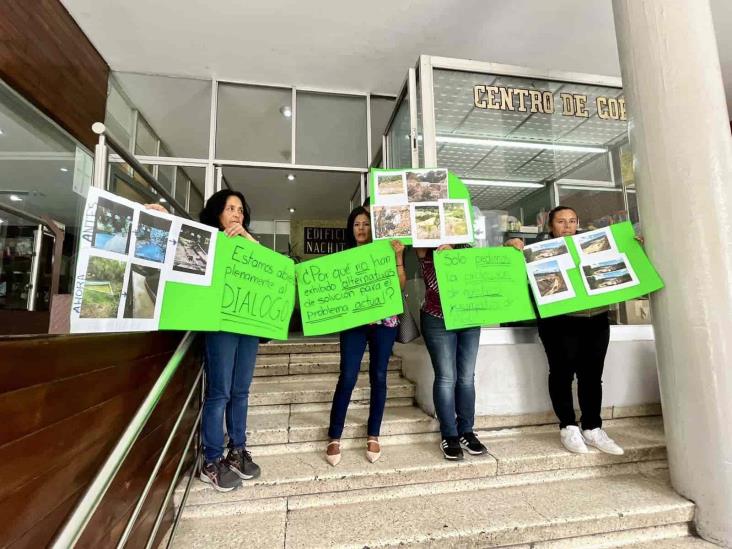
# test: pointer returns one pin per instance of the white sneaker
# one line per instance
(599, 439)
(572, 439)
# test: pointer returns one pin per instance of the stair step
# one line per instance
(495, 517)
(313, 363)
(669, 536)
(303, 426)
(514, 458)
(482, 516)
(318, 388)
(309, 345)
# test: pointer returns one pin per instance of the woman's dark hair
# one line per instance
(215, 206)
(350, 239)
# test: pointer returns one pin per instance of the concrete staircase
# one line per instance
(528, 492)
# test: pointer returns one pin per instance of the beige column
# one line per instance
(680, 134)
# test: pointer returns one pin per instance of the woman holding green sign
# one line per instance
(229, 366)
(380, 338)
(575, 344)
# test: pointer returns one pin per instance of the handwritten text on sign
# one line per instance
(348, 289)
(482, 286)
(258, 289)
(252, 292)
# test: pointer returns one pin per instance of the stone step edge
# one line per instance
(342, 496)
(619, 538)
(429, 436)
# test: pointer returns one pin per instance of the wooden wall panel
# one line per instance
(48, 59)
(66, 400)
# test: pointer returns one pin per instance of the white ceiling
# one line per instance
(357, 46)
(313, 195)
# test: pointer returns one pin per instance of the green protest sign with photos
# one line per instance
(252, 292)
(590, 269)
(424, 207)
(348, 289)
(482, 286)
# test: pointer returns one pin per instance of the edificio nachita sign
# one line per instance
(324, 240)
(503, 98)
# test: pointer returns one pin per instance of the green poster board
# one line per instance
(456, 189)
(648, 278)
(482, 286)
(252, 292)
(348, 289)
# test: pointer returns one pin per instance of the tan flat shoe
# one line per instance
(371, 455)
(333, 459)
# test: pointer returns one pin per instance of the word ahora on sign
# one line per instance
(503, 98)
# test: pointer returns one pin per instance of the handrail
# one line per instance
(87, 505)
(105, 137)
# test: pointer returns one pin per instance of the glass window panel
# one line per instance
(146, 143)
(400, 155)
(118, 118)
(250, 124)
(196, 202)
(181, 187)
(331, 130)
(165, 176)
(381, 109)
(177, 109)
(43, 172)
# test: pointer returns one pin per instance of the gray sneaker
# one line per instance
(240, 462)
(218, 475)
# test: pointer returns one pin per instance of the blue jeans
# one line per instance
(229, 370)
(353, 344)
(453, 354)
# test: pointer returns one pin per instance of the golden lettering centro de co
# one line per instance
(501, 98)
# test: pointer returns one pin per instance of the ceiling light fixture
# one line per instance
(291, 177)
(64, 169)
(517, 144)
(292, 210)
(286, 111)
(162, 201)
(490, 183)
(15, 198)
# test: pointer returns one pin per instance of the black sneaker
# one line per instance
(471, 443)
(218, 475)
(451, 448)
(240, 462)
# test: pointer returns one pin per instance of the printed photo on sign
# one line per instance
(191, 262)
(456, 224)
(390, 187)
(151, 237)
(192, 250)
(112, 224)
(426, 185)
(555, 248)
(426, 225)
(549, 282)
(103, 284)
(595, 242)
(390, 222)
(142, 292)
(608, 275)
